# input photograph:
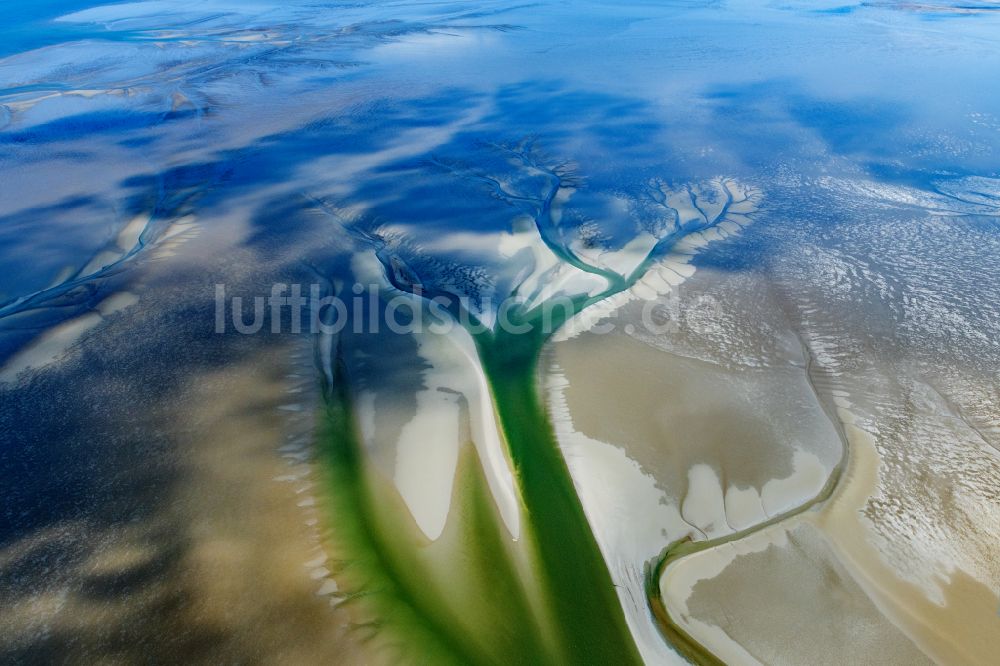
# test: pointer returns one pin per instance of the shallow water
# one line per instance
(804, 197)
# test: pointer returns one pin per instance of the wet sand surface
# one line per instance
(794, 602)
(883, 427)
(150, 513)
(814, 444)
(670, 413)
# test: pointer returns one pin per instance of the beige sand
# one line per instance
(227, 558)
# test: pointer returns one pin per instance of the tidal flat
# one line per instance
(485, 332)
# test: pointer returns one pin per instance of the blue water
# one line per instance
(284, 137)
(677, 90)
(260, 118)
(271, 113)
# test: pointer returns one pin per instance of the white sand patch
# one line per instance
(808, 479)
(129, 236)
(678, 264)
(566, 280)
(744, 508)
(668, 273)
(453, 243)
(704, 505)
(644, 291)
(655, 281)
(426, 459)
(541, 275)
(587, 319)
(428, 446)
(117, 303)
(486, 433)
(50, 347)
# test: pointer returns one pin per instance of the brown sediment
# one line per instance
(782, 595)
(623, 392)
(679, 549)
(966, 629)
(684, 547)
(255, 562)
(960, 631)
(218, 568)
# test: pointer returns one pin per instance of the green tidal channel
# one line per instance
(580, 588)
(486, 606)
(475, 612)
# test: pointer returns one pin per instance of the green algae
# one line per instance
(459, 600)
(554, 600)
(546, 599)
